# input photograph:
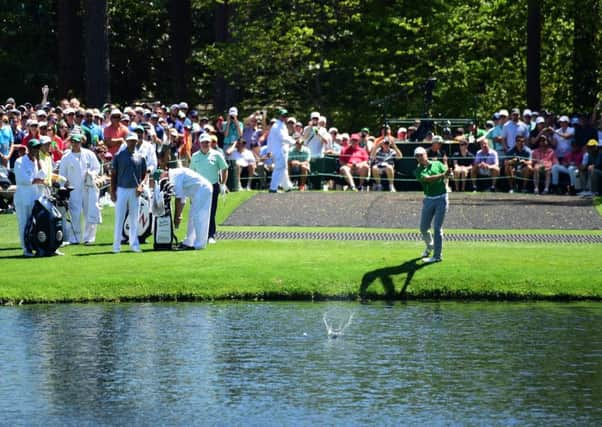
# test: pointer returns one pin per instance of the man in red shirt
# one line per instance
(115, 133)
(353, 161)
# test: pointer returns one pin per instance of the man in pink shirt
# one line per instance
(544, 159)
(353, 161)
(115, 133)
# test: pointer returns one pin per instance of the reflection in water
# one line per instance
(271, 363)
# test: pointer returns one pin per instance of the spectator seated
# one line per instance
(354, 163)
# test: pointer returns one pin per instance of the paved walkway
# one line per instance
(478, 211)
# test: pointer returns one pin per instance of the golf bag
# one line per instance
(44, 229)
(145, 219)
(163, 226)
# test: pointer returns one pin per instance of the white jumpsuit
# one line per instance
(81, 170)
(27, 193)
(278, 145)
(188, 183)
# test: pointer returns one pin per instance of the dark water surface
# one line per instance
(273, 364)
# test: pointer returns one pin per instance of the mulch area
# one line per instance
(402, 210)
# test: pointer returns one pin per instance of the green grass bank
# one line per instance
(298, 269)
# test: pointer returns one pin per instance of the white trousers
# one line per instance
(280, 172)
(24, 199)
(126, 201)
(197, 231)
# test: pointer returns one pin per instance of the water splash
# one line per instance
(336, 321)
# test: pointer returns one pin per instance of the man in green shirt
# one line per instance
(298, 161)
(431, 175)
(211, 165)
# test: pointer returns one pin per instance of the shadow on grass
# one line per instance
(409, 268)
(96, 253)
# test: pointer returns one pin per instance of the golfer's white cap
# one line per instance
(419, 150)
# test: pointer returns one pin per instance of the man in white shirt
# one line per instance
(316, 135)
(188, 183)
(81, 168)
(278, 144)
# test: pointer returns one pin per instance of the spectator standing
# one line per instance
(316, 136)
(7, 139)
(431, 175)
(512, 128)
(561, 142)
(544, 159)
(232, 128)
(115, 133)
(127, 175)
(212, 166)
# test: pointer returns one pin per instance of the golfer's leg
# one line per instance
(202, 218)
(426, 216)
(440, 211)
(134, 209)
(120, 208)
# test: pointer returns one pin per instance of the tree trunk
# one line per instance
(180, 19)
(222, 91)
(534, 55)
(69, 54)
(97, 53)
(585, 58)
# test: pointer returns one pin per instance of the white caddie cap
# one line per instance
(419, 150)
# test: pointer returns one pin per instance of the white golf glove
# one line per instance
(223, 189)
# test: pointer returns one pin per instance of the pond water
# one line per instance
(274, 364)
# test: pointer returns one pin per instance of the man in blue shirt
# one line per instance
(6, 140)
(129, 171)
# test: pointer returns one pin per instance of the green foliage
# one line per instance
(338, 57)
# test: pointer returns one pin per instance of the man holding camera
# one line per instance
(519, 163)
(127, 177)
(232, 128)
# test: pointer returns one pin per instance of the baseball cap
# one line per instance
(76, 137)
(527, 112)
(34, 143)
(367, 130)
(10, 101)
(563, 119)
(139, 129)
(233, 111)
(419, 150)
(314, 115)
(503, 113)
(592, 143)
(437, 138)
(282, 112)
(131, 137)
(44, 139)
(114, 113)
(515, 111)
(205, 138)
(183, 105)
(540, 120)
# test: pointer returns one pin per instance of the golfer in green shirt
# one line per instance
(431, 174)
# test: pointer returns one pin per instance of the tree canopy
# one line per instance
(339, 57)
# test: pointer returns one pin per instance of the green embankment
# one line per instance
(295, 269)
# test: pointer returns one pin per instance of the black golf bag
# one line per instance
(145, 220)
(44, 229)
(163, 226)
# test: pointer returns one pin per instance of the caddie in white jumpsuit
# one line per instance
(29, 178)
(278, 144)
(81, 167)
(188, 183)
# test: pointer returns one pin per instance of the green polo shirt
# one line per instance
(433, 168)
(208, 165)
(301, 155)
